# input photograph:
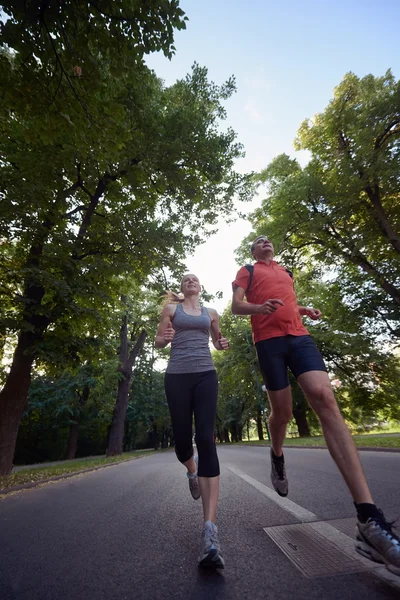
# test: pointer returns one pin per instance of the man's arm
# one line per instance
(239, 307)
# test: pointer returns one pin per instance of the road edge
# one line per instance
(34, 484)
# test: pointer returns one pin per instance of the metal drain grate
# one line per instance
(311, 553)
(347, 526)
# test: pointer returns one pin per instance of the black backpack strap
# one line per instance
(290, 273)
(250, 269)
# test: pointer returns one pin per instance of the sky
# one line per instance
(287, 59)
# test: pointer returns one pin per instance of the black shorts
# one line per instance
(298, 353)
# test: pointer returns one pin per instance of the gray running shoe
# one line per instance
(210, 551)
(278, 476)
(378, 542)
(194, 486)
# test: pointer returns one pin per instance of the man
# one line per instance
(283, 342)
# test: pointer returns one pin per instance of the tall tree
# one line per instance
(128, 353)
(103, 168)
(342, 211)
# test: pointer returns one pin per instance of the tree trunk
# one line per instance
(72, 443)
(14, 399)
(226, 436)
(300, 416)
(259, 425)
(127, 359)
(116, 437)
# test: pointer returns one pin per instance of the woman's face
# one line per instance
(190, 285)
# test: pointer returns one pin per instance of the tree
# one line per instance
(100, 176)
(240, 395)
(342, 211)
(128, 352)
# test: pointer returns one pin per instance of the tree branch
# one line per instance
(110, 16)
(384, 136)
(65, 72)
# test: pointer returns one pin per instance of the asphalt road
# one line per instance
(132, 531)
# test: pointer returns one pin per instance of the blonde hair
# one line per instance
(171, 298)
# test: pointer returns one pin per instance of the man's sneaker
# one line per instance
(378, 542)
(194, 486)
(278, 475)
(210, 551)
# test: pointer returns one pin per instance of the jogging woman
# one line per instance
(191, 387)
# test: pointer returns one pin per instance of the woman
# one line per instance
(191, 387)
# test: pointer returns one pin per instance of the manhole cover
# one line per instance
(311, 553)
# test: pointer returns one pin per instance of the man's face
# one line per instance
(263, 248)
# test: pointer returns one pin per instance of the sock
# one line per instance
(209, 525)
(366, 511)
(277, 458)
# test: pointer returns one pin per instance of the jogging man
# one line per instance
(283, 342)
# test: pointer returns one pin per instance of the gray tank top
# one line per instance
(190, 352)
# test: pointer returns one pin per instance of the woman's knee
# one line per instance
(184, 452)
(205, 443)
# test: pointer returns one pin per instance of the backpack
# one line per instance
(250, 269)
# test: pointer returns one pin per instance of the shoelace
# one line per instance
(386, 526)
(210, 536)
(280, 468)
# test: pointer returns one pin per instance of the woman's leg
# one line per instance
(205, 408)
(179, 389)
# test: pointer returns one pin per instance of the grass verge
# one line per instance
(38, 474)
(361, 441)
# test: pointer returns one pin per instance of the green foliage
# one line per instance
(240, 396)
(341, 213)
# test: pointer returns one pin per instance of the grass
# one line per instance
(38, 474)
(373, 441)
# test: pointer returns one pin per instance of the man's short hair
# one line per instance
(255, 242)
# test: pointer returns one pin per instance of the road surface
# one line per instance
(132, 531)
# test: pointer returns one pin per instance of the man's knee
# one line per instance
(281, 415)
(323, 402)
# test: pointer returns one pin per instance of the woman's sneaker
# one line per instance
(194, 486)
(210, 551)
(378, 542)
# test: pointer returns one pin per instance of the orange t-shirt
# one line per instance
(272, 281)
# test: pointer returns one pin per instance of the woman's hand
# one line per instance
(222, 342)
(169, 333)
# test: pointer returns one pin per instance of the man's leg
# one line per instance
(281, 413)
(376, 538)
(272, 357)
(318, 391)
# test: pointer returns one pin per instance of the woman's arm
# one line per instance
(220, 343)
(165, 332)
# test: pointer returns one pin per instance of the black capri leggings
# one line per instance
(189, 393)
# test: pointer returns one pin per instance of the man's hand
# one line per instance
(269, 306)
(313, 313)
